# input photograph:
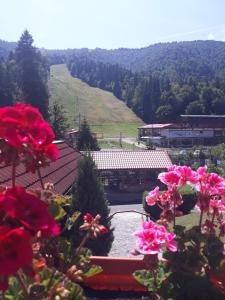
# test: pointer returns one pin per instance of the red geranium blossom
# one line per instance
(25, 130)
(29, 210)
(92, 225)
(15, 252)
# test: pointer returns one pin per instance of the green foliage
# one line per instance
(32, 74)
(153, 280)
(58, 120)
(85, 140)
(150, 96)
(195, 108)
(89, 196)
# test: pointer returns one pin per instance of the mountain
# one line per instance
(6, 47)
(166, 80)
(178, 61)
(103, 111)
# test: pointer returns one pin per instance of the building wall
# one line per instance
(183, 136)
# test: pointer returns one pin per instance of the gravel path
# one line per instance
(125, 224)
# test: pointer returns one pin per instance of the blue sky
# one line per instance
(61, 24)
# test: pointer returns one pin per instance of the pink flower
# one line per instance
(179, 175)
(171, 178)
(187, 175)
(153, 237)
(210, 183)
(153, 196)
(218, 205)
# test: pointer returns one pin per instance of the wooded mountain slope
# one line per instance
(178, 61)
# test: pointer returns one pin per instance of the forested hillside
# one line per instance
(153, 98)
(178, 61)
(158, 82)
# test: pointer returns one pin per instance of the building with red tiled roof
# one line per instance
(61, 172)
(126, 174)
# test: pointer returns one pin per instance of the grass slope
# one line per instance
(104, 112)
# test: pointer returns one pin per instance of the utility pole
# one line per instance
(121, 139)
(79, 121)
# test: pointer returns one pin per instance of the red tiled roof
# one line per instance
(108, 160)
(61, 173)
(157, 125)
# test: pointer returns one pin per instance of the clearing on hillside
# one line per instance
(104, 112)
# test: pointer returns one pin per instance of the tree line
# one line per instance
(153, 98)
(24, 75)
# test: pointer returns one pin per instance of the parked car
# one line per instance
(183, 152)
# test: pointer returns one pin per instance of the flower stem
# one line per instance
(40, 177)
(155, 279)
(82, 243)
(200, 219)
(174, 216)
(23, 286)
(213, 217)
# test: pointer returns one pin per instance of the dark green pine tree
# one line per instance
(86, 141)
(7, 86)
(58, 120)
(32, 74)
(89, 197)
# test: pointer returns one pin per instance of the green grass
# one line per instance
(105, 113)
(189, 220)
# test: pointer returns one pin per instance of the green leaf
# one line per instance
(61, 200)
(93, 270)
(56, 211)
(72, 219)
(145, 278)
(14, 291)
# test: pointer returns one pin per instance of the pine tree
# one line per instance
(86, 141)
(58, 119)
(32, 74)
(89, 196)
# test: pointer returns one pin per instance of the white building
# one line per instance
(190, 130)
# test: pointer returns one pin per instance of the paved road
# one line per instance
(125, 224)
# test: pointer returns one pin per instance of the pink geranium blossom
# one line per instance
(187, 175)
(153, 237)
(171, 178)
(153, 196)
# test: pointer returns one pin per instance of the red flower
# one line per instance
(51, 152)
(15, 252)
(92, 225)
(25, 130)
(17, 123)
(29, 210)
